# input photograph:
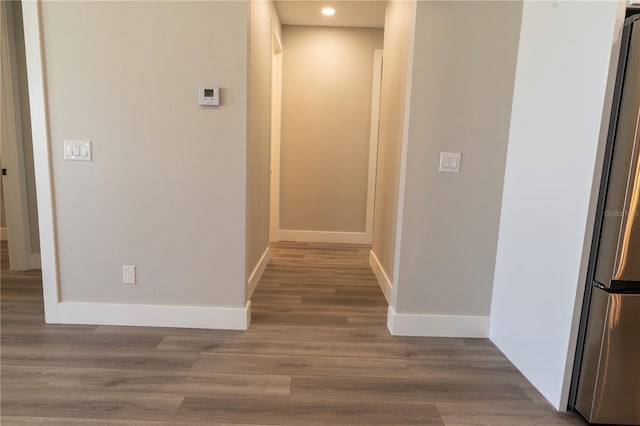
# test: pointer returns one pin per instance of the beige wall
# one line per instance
(399, 27)
(462, 88)
(263, 17)
(166, 188)
(326, 113)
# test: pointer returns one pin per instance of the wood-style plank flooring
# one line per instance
(317, 353)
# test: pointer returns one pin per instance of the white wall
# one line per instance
(166, 188)
(464, 61)
(560, 88)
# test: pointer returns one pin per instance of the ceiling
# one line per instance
(349, 13)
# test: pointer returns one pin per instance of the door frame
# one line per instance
(276, 133)
(365, 237)
(373, 142)
(41, 158)
(14, 185)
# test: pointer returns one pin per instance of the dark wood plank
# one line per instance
(51, 421)
(332, 334)
(287, 411)
(309, 365)
(299, 318)
(259, 332)
(21, 421)
(263, 347)
(464, 371)
(425, 351)
(503, 413)
(106, 405)
(402, 389)
(171, 382)
(115, 357)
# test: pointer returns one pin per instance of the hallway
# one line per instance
(317, 352)
(319, 285)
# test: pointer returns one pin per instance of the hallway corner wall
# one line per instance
(263, 21)
(562, 80)
(464, 61)
(398, 38)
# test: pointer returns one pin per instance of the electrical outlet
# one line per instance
(128, 274)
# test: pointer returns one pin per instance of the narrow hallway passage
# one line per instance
(314, 284)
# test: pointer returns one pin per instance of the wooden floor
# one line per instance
(317, 352)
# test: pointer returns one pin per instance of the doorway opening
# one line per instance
(276, 130)
(326, 97)
(19, 214)
(325, 104)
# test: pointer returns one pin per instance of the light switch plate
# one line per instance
(450, 162)
(77, 150)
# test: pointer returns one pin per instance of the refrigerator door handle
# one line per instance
(629, 247)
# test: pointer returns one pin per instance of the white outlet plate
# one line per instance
(77, 150)
(128, 274)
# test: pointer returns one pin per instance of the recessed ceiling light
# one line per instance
(328, 11)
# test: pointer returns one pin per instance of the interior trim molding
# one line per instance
(325, 237)
(383, 280)
(35, 261)
(41, 158)
(374, 139)
(437, 325)
(211, 317)
(257, 272)
(14, 186)
(276, 132)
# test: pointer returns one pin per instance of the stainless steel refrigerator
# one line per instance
(606, 381)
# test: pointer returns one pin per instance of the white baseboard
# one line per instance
(154, 315)
(437, 325)
(257, 272)
(381, 276)
(3, 234)
(35, 261)
(325, 236)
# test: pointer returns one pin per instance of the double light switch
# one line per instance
(450, 162)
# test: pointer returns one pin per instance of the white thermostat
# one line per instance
(209, 95)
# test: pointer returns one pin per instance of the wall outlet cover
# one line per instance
(128, 274)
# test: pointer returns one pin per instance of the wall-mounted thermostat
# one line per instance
(209, 95)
